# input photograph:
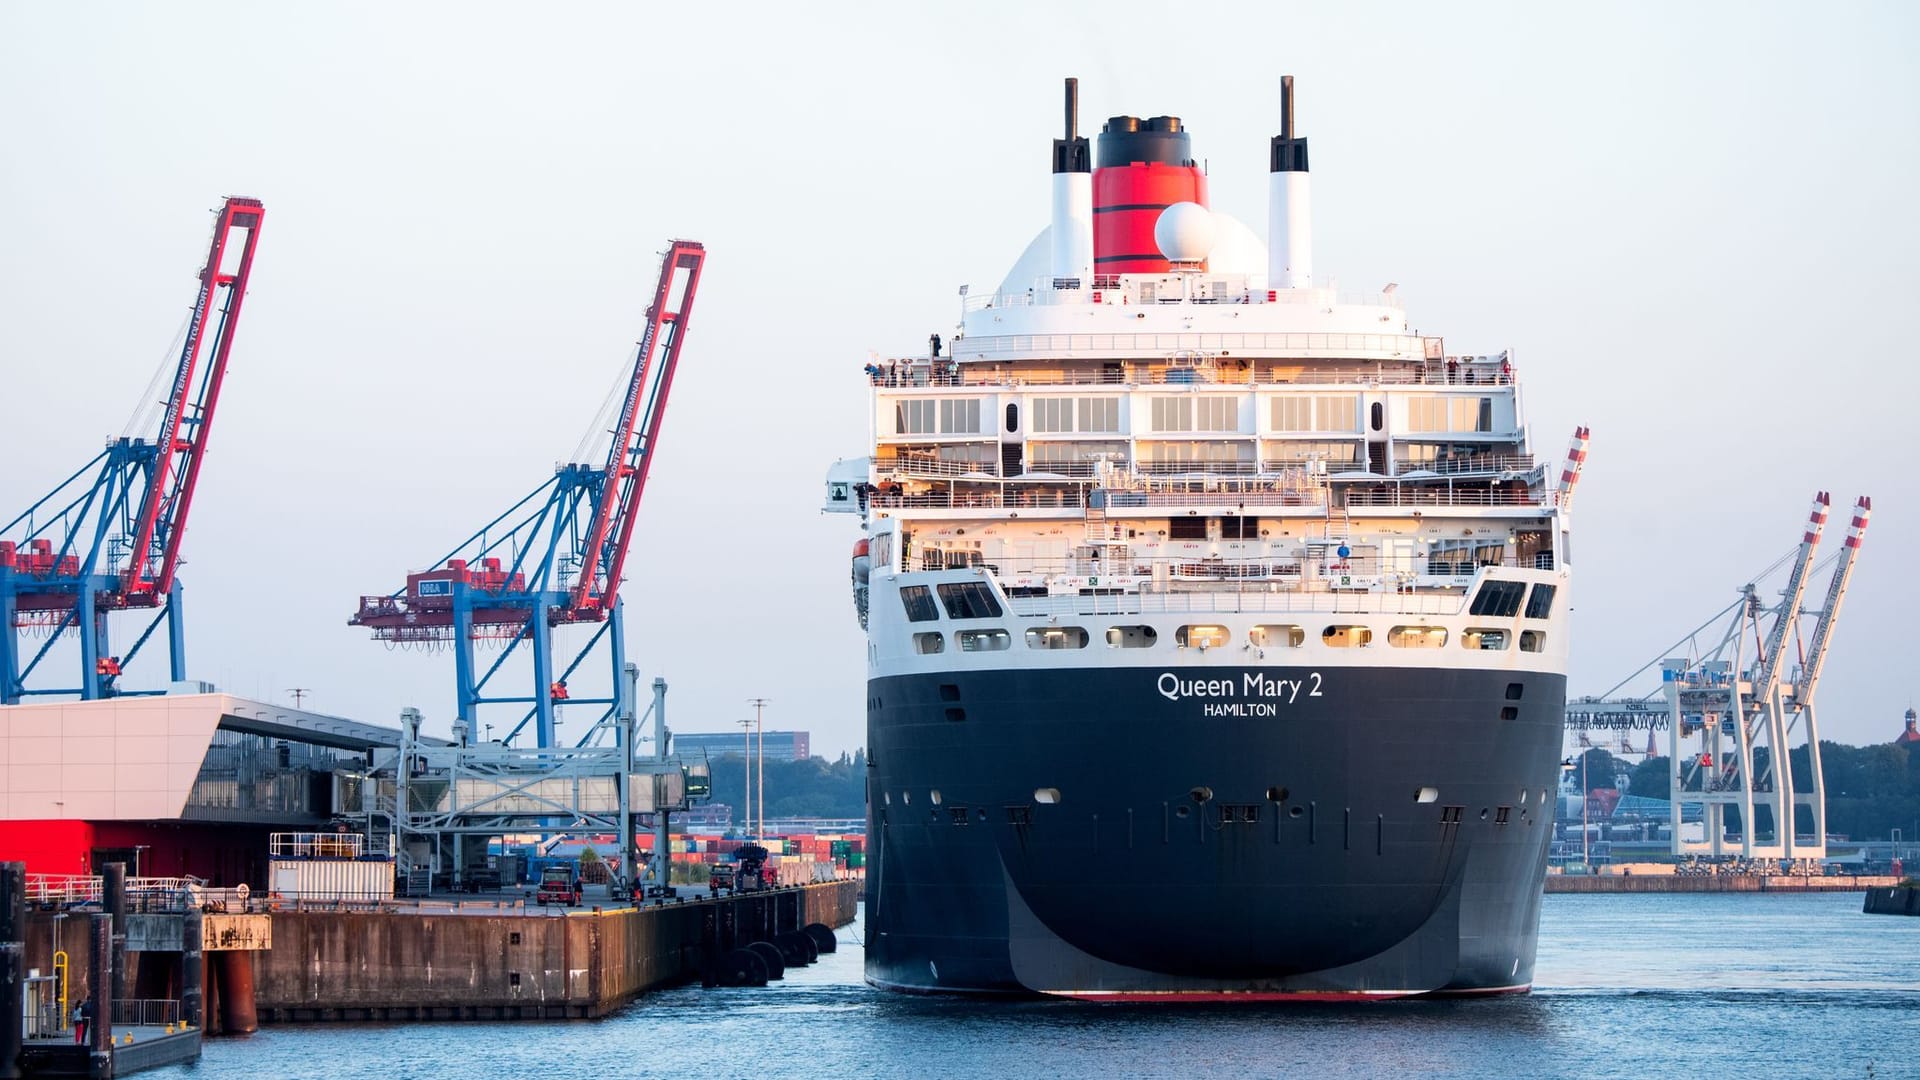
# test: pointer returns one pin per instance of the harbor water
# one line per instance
(1627, 985)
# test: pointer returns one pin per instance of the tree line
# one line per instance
(813, 787)
(1871, 790)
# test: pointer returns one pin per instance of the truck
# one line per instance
(558, 885)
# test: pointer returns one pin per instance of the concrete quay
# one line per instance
(1893, 899)
(1711, 883)
(522, 965)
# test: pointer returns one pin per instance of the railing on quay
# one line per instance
(316, 845)
(63, 890)
(145, 1012)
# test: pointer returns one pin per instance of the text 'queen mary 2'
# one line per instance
(1217, 621)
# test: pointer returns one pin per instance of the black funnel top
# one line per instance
(1128, 140)
(1287, 153)
(1071, 154)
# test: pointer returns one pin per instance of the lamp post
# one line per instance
(759, 707)
(746, 769)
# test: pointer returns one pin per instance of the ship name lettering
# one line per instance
(1252, 685)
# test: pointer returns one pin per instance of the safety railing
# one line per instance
(1426, 496)
(316, 845)
(145, 1012)
(1248, 599)
(62, 890)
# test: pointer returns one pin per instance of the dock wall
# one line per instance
(1709, 883)
(345, 965)
(1893, 900)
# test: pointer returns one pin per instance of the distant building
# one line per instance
(781, 745)
(1911, 736)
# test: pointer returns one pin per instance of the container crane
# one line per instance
(554, 558)
(1733, 717)
(108, 537)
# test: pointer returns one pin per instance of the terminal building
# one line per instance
(178, 785)
(780, 745)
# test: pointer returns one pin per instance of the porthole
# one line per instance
(1131, 637)
(934, 795)
(1347, 637)
(1294, 811)
(1181, 811)
(1427, 795)
(994, 640)
(1201, 636)
(1417, 637)
(1046, 796)
(1056, 637)
(1201, 794)
(1275, 636)
(1276, 794)
(1479, 637)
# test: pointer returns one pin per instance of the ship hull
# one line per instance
(1241, 833)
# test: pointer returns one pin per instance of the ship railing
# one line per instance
(1245, 600)
(1424, 496)
(1224, 373)
(1115, 286)
(1470, 463)
(1145, 347)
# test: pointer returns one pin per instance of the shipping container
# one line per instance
(331, 879)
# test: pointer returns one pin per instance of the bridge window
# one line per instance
(1540, 601)
(929, 643)
(1057, 637)
(1481, 637)
(1532, 640)
(1417, 637)
(918, 600)
(1347, 637)
(1499, 599)
(969, 600)
(1274, 636)
(1131, 637)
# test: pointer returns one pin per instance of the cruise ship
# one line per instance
(1217, 620)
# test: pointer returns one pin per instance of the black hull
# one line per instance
(1249, 839)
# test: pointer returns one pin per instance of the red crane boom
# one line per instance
(181, 441)
(631, 455)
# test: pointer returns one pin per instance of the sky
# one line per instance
(1692, 224)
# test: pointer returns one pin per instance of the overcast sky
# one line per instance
(1693, 224)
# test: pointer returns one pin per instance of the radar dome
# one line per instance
(1184, 232)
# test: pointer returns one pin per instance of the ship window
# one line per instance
(1187, 528)
(1217, 414)
(1100, 414)
(1540, 601)
(969, 600)
(1426, 795)
(929, 643)
(1173, 413)
(1500, 599)
(1013, 416)
(934, 796)
(1378, 415)
(1274, 636)
(1131, 637)
(914, 417)
(1201, 636)
(1509, 712)
(1046, 796)
(1532, 640)
(1057, 637)
(984, 640)
(918, 600)
(959, 416)
(1347, 637)
(1481, 637)
(1417, 637)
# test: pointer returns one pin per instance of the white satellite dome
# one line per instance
(1185, 232)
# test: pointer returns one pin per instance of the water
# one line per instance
(1642, 985)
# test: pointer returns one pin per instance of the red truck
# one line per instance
(558, 885)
